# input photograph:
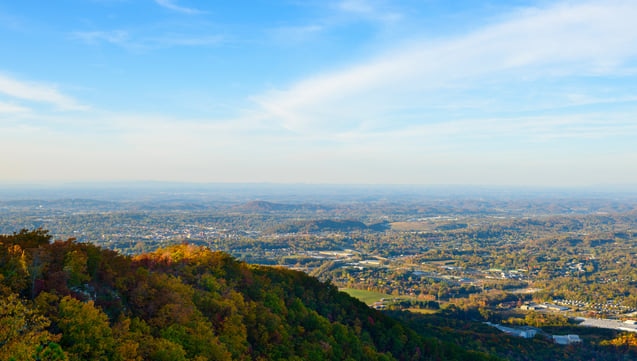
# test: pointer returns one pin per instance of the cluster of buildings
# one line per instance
(566, 339)
(627, 325)
(610, 307)
(531, 306)
(524, 332)
(530, 332)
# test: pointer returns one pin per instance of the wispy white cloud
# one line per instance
(532, 135)
(185, 40)
(335, 16)
(9, 108)
(145, 146)
(141, 43)
(12, 22)
(296, 34)
(116, 37)
(368, 9)
(596, 38)
(171, 5)
(425, 111)
(39, 93)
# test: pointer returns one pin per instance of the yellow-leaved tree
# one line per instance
(23, 334)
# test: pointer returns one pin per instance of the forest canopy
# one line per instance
(63, 300)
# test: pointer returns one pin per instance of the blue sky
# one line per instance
(534, 93)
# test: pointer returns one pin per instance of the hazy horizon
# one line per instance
(281, 192)
(506, 94)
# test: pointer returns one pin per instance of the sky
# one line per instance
(431, 92)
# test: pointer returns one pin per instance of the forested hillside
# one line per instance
(325, 225)
(66, 300)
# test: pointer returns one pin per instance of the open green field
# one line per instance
(422, 311)
(368, 297)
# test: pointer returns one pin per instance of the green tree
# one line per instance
(51, 352)
(75, 265)
(27, 239)
(86, 333)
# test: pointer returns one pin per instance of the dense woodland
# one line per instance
(64, 300)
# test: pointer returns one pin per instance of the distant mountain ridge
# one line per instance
(259, 206)
(326, 225)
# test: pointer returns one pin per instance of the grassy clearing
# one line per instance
(410, 226)
(368, 297)
(423, 311)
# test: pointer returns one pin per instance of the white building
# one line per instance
(566, 339)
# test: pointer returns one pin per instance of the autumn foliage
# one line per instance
(64, 300)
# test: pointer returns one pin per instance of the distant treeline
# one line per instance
(327, 225)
